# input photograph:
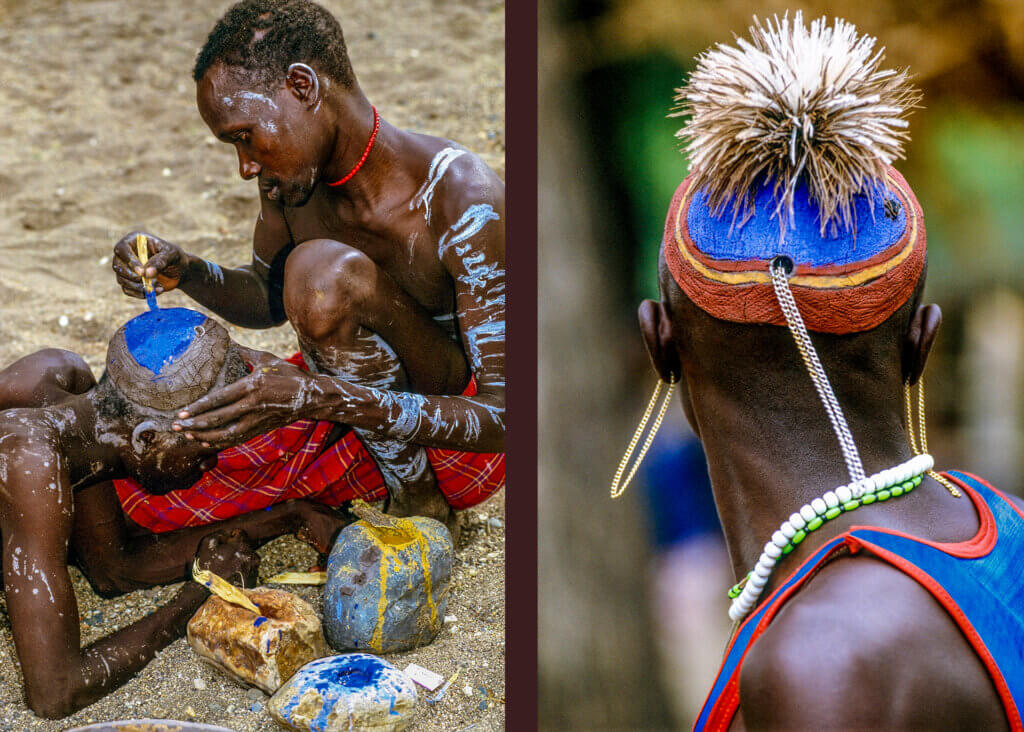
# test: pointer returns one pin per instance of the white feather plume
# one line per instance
(794, 104)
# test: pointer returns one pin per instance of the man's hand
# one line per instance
(167, 263)
(230, 555)
(318, 525)
(275, 394)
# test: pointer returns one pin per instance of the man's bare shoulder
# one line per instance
(29, 452)
(44, 377)
(456, 179)
(865, 646)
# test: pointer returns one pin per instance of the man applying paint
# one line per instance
(384, 249)
(63, 437)
(791, 273)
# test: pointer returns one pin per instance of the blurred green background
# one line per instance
(609, 165)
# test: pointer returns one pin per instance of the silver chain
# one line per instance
(818, 376)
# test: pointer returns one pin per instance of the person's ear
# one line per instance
(656, 328)
(303, 82)
(924, 326)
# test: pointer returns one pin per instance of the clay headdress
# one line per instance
(167, 358)
(791, 136)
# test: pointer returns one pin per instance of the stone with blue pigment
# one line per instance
(355, 691)
(387, 583)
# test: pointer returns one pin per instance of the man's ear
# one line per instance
(303, 82)
(656, 328)
(924, 326)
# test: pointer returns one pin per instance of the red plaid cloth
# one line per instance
(292, 462)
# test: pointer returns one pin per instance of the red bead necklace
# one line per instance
(366, 152)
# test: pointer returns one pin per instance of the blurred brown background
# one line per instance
(613, 647)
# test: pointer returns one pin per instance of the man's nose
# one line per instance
(247, 167)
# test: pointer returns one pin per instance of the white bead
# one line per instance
(831, 499)
(919, 462)
(844, 494)
(734, 612)
(779, 539)
(807, 513)
(761, 571)
(797, 521)
(757, 582)
(766, 562)
(888, 478)
(787, 530)
(772, 551)
(865, 485)
(819, 506)
(929, 463)
(878, 480)
(903, 473)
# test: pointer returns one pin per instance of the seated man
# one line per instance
(63, 437)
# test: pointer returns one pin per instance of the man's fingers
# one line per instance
(125, 271)
(216, 398)
(159, 261)
(215, 418)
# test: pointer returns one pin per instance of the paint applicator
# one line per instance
(142, 248)
(222, 588)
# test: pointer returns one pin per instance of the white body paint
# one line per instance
(438, 167)
(215, 272)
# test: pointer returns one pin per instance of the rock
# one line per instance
(254, 695)
(261, 651)
(348, 692)
(387, 585)
(199, 684)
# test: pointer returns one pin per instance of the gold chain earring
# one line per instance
(922, 432)
(618, 490)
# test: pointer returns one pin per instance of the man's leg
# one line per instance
(354, 322)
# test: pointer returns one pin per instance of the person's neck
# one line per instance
(91, 444)
(768, 460)
(354, 124)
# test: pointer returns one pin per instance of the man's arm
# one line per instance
(245, 295)
(115, 562)
(472, 249)
(35, 505)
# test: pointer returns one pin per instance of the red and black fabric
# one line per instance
(977, 582)
(295, 462)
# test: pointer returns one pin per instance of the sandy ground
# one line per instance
(101, 135)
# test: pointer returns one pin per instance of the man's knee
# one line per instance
(326, 287)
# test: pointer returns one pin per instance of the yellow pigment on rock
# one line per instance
(393, 541)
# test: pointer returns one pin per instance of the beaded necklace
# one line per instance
(366, 152)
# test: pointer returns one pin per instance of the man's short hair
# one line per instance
(165, 359)
(267, 36)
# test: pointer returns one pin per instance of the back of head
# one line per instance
(165, 359)
(265, 37)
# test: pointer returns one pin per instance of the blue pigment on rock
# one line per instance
(259, 621)
(158, 337)
(354, 671)
(873, 231)
(151, 300)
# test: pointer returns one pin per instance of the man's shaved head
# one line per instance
(265, 37)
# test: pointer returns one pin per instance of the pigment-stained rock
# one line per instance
(387, 585)
(355, 691)
(261, 651)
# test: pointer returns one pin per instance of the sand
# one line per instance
(101, 136)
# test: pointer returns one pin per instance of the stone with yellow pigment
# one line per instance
(354, 691)
(387, 583)
(261, 650)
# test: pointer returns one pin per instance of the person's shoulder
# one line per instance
(461, 180)
(28, 446)
(861, 646)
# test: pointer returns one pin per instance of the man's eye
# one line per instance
(242, 137)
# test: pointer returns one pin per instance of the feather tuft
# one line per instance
(794, 105)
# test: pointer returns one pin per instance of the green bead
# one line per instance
(883, 495)
(908, 486)
(917, 480)
(833, 512)
(896, 490)
(788, 548)
(868, 499)
(798, 537)
(850, 505)
(814, 523)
